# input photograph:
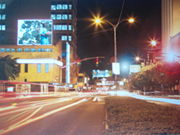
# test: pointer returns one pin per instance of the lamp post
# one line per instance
(98, 21)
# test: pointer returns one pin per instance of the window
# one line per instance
(26, 68)
(70, 6)
(65, 6)
(64, 17)
(2, 17)
(53, 7)
(66, 38)
(46, 68)
(70, 17)
(2, 6)
(2, 50)
(19, 50)
(62, 27)
(12, 50)
(70, 38)
(38, 68)
(2, 27)
(8, 49)
(27, 50)
(39, 50)
(33, 50)
(53, 17)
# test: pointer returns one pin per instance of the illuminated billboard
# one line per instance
(101, 73)
(34, 32)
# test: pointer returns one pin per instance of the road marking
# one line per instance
(11, 128)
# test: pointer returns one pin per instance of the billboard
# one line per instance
(101, 73)
(135, 68)
(34, 32)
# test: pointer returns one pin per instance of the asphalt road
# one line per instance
(60, 116)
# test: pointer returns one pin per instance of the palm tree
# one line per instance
(9, 68)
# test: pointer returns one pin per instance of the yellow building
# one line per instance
(37, 63)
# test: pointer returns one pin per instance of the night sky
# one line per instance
(132, 40)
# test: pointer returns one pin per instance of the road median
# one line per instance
(127, 116)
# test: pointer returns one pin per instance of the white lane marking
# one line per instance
(7, 108)
(42, 116)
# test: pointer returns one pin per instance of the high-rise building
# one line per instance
(170, 20)
(171, 29)
(61, 12)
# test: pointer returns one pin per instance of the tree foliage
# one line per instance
(156, 77)
(9, 68)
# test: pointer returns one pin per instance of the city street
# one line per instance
(60, 116)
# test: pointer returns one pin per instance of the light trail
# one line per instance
(11, 128)
(133, 95)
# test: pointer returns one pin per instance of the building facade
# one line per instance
(63, 15)
(37, 64)
(170, 20)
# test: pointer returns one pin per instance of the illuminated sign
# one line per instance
(34, 32)
(101, 73)
(135, 68)
(116, 68)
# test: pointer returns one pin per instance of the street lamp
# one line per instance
(98, 21)
(137, 58)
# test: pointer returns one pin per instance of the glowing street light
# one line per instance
(137, 58)
(153, 42)
(97, 20)
(131, 20)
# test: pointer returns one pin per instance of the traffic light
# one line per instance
(97, 61)
(78, 61)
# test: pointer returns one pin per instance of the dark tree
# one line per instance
(9, 68)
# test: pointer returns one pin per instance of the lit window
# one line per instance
(2, 50)
(53, 17)
(70, 38)
(33, 50)
(2, 27)
(2, 6)
(38, 68)
(58, 17)
(42, 50)
(64, 38)
(65, 6)
(53, 7)
(39, 50)
(46, 68)
(59, 6)
(8, 49)
(19, 50)
(2, 17)
(12, 50)
(64, 27)
(27, 50)
(47, 50)
(70, 6)
(70, 17)
(64, 17)
(70, 27)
